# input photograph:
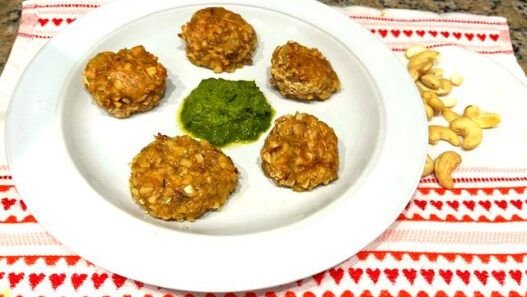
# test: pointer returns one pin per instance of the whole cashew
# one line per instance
(436, 133)
(414, 50)
(456, 78)
(417, 70)
(469, 130)
(422, 57)
(429, 166)
(431, 81)
(444, 165)
(438, 72)
(421, 62)
(429, 111)
(449, 115)
(485, 120)
(431, 99)
(445, 87)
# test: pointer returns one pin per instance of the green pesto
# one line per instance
(224, 111)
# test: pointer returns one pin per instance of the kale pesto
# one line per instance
(224, 111)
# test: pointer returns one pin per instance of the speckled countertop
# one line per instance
(514, 10)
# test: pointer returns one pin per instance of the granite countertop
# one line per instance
(514, 10)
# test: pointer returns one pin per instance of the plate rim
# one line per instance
(21, 175)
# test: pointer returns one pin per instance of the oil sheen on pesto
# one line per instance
(224, 111)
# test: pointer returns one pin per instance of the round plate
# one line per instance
(70, 160)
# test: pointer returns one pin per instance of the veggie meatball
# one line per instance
(126, 82)
(301, 152)
(302, 73)
(179, 178)
(219, 39)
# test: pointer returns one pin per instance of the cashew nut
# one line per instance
(445, 87)
(431, 81)
(429, 166)
(456, 78)
(423, 57)
(449, 115)
(429, 111)
(444, 165)
(469, 130)
(414, 50)
(422, 88)
(431, 99)
(438, 72)
(485, 120)
(449, 102)
(418, 69)
(436, 133)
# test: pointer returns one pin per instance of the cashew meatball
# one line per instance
(179, 178)
(125, 82)
(302, 73)
(301, 152)
(219, 39)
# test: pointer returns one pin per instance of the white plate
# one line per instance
(70, 160)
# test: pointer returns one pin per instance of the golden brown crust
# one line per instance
(302, 73)
(219, 39)
(126, 82)
(179, 178)
(301, 152)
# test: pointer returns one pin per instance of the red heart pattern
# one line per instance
(118, 280)
(469, 204)
(446, 275)
(355, 274)
(453, 204)
(464, 275)
(516, 275)
(43, 22)
(373, 274)
(57, 22)
(428, 274)
(35, 279)
(499, 275)
(319, 277)
(78, 279)
(7, 203)
(395, 33)
(336, 274)
(98, 279)
(57, 279)
(485, 204)
(482, 276)
(501, 204)
(437, 204)
(14, 278)
(392, 274)
(410, 275)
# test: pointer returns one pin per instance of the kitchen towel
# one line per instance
(469, 241)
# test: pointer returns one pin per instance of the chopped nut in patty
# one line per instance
(302, 73)
(301, 152)
(179, 178)
(219, 39)
(126, 82)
